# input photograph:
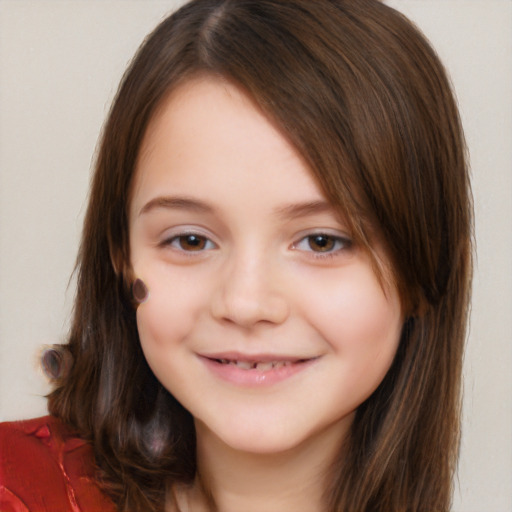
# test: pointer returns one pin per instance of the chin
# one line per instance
(256, 437)
(264, 443)
(270, 435)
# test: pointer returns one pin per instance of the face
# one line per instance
(264, 319)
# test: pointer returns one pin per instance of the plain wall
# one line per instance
(60, 62)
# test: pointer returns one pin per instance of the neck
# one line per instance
(291, 480)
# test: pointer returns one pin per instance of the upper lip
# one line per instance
(253, 358)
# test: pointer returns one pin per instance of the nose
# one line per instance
(249, 293)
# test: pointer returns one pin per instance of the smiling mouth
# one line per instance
(261, 366)
(256, 370)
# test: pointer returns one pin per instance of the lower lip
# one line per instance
(255, 377)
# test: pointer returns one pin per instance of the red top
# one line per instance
(45, 467)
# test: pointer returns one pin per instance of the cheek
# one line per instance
(164, 323)
(169, 314)
(358, 318)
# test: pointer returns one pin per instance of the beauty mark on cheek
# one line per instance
(140, 292)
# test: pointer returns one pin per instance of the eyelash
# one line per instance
(339, 244)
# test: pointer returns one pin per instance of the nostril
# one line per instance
(247, 312)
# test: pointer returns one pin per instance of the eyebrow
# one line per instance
(186, 203)
(177, 203)
(304, 209)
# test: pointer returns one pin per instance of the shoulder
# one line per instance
(46, 466)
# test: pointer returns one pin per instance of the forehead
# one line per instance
(209, 132)
(209, 108)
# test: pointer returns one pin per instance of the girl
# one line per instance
(273, 278)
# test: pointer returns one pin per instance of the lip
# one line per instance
(216, 363)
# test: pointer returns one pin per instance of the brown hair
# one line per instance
(363, 97)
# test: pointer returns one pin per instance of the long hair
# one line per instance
(365, 100)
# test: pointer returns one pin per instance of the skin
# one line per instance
(254, 283)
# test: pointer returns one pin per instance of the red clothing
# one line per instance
(45, 467)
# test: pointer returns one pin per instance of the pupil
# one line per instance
(321, 243)
(192, 242)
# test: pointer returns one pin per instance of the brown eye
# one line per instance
(192, 242)
(188, 243)
(321, 243)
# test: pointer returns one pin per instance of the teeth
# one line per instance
(245, 365)
(263, 367)
(260, 366)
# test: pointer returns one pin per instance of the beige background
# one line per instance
(60, 62)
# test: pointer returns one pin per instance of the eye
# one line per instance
(322, 243)
(190, 242)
